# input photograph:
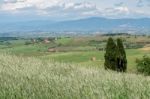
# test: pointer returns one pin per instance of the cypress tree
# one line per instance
(121, 60)
(110, 55)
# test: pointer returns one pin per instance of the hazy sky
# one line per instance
(72, 9)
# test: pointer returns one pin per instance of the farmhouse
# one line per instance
(46, 41)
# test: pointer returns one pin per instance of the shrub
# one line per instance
(143, 65)
(28, 43)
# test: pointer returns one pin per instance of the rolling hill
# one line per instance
(88, 24)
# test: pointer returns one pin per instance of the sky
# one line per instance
(16, 10)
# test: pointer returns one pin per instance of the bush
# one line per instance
(143, 65)
(28, 43)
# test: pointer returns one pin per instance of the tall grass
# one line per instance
(31, 78)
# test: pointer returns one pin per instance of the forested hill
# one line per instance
(88, 24)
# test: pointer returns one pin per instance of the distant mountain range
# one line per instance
(96, 24)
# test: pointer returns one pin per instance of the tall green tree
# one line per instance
(110, 55)
(121, 60)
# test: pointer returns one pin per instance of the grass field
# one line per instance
(77, 57)
(84, 58)
(31, 78)
(76, 50)
(29, 71)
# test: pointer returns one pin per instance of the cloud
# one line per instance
(80, 6)
(119, 4)
(148, 3)
(117, 11)
(75, 8)
(10, 1)
(123, 9)
(11, 5)
(140, 3)
(49, 7)
(143, 3)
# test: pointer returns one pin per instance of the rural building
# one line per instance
(46, 41)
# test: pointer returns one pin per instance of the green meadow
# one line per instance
(76, 50)
(28, 70)
(84, 58)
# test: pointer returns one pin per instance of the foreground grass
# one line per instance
(31, 78)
